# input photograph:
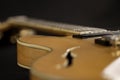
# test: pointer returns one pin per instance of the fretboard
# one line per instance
(52, 27)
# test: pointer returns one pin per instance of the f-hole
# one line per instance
(69, 59)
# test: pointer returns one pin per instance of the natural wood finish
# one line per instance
(90, 61)
(26, 54)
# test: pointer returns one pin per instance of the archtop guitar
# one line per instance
(85, 54)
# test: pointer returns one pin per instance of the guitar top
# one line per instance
(64, 58)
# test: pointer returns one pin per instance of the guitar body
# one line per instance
(44, 56)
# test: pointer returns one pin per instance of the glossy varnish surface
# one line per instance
(90, 60)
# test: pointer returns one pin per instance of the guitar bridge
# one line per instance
(109, 40)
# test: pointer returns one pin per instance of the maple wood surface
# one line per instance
(90, 60)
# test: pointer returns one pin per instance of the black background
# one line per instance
(96, 13)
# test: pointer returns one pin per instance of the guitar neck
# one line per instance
(50, 27)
